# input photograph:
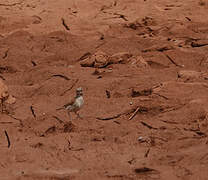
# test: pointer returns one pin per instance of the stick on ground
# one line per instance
(61, 76)
(14, 4)
(64, 24)
(172, 61)
(147, 153)
(147, 125)
(17, 119)
(33, 112)
(135, 112)
(161, 96)
(58, 119)
(144, 170)
(8, 140)
(109, 118)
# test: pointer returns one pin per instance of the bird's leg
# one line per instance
(68, 112)
(78, 115)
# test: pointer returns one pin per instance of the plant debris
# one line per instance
(144, 170)
(8, 140)
(65, 25)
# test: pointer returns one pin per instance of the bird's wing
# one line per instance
(69, 103)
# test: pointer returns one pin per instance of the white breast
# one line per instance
(79, 101)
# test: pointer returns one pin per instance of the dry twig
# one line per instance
(161, 96)
(8, 140)
(58, 119)
(135, 112)
(64, 24)
(144, 170)
(109, 118)
(20, 120)
(147, 153)
(61, 76)
(9, 122)
(147, 125)
(84, 56)
(172, 61)
(14, 4)
(33, 112)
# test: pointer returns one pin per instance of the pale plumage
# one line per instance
(76, 104)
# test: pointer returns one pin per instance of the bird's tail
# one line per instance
(59, 109)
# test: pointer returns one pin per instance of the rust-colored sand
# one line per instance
(127, 55)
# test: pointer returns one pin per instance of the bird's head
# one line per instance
(79, 92)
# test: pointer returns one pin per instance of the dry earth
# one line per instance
(128, 55)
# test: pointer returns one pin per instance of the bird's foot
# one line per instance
(80, 117)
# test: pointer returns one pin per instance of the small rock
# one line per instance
(138, 61)
(110, 69)
(10, 100)
(189, 75)
(121, 57)
(36, 19)
(4, 94)
(101, 59)
(141, 92)
(108, 93)
(98, 60)
(141, 139)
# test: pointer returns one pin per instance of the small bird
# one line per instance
(76, 104)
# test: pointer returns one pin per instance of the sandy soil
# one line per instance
(139, 55)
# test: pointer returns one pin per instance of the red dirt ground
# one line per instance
(41, 43)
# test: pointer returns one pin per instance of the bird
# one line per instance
(75, 104)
